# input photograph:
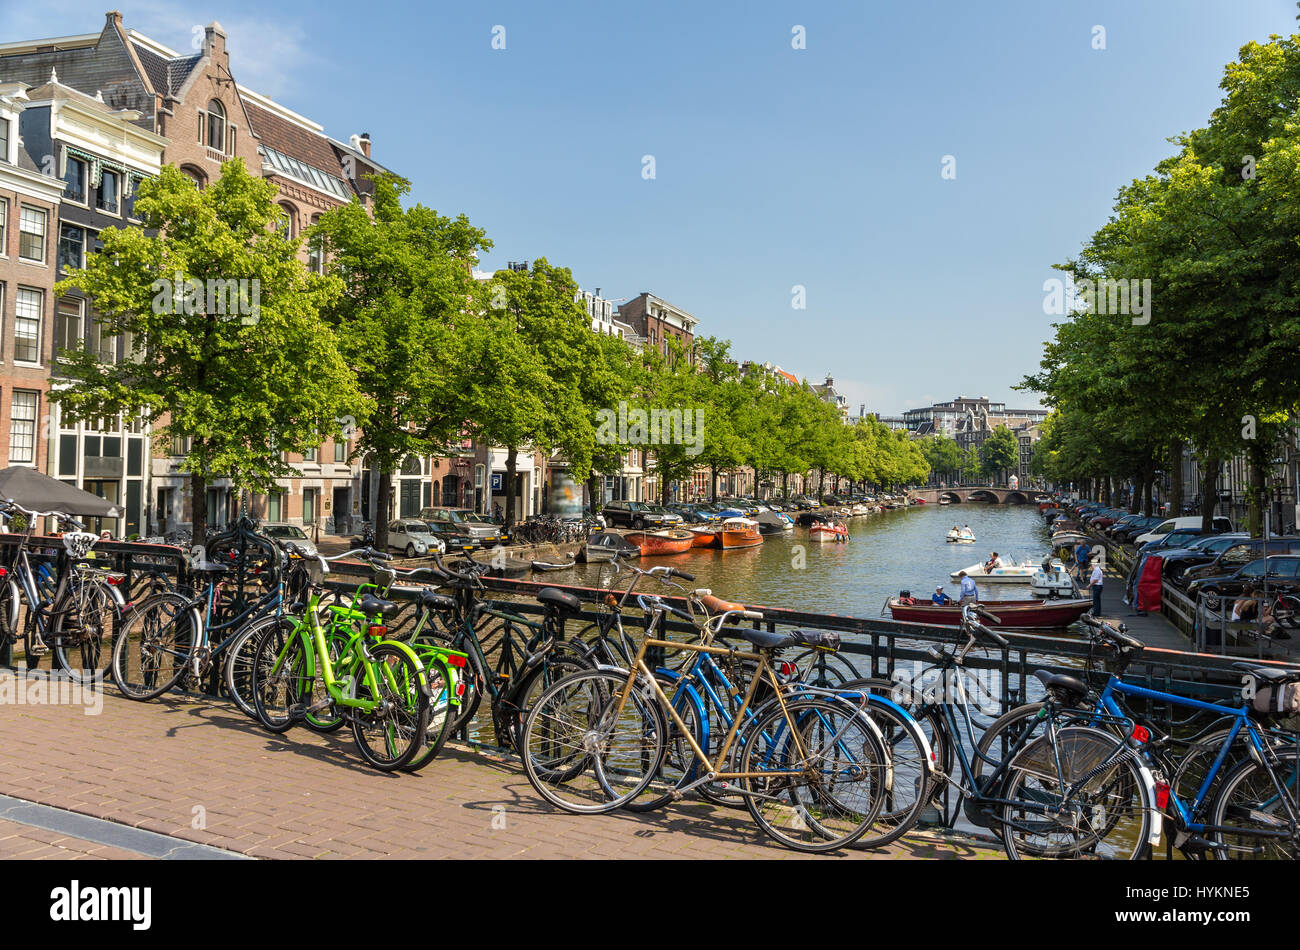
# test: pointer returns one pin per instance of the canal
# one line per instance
(904, 549)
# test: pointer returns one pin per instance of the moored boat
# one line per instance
(667, 541)
(604, 545)
(705, 535)
(1014, 614)
(552, 566)
(827, 531)
(739, 533)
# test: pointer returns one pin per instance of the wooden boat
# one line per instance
(1017, 614)
(666, 541)
(824, 531)
(739, 533)
(550, 566)
(603, 545)
(705, 535)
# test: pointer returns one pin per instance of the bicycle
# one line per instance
(1245, 801)
(515, 667)
(811, 767)
(378, 686)
(72, 612)
(1073, 790)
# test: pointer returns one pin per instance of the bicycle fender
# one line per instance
(13, 603)
(1157, 817)
(694, 697)
(419, 664)
(917, 731)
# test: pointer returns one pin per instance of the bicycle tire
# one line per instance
(276, 694)
(163, 635)
(1248, 793)
(441, 713)
(796, 810)
(82, 630)
(237, 668)
(400, 728)
(512, 709)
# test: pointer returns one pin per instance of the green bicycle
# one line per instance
(378, 686)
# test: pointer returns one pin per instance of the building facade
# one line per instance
(655, 320)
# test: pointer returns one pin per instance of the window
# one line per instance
(75, 181)
(315, 258)
(31, 230)
(285, 225)
(309, 506)
(22, 426)
(311, 455)
(128, 202)
(101, 343)
(4, 140)
(275, 506)
(110, 186)
(4, 227)
(194, 175)
(72, 247)
(27, 325)
(340, 451)
(67, 325)
(216, 126)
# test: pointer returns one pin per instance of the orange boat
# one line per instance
(705, 537)
(739, 533)
(667, 541)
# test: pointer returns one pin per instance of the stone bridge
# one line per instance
(988, 495)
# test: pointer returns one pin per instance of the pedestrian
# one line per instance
(1095, 582)
(1082, 554)
(969, 593)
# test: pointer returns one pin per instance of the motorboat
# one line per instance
(961, 536)
(1053, 583)
(1002, 573)
(605, 546)
(774, 522)
(551, 566)
(739, 533)
(827, 531)
(1014, 614)
(665, 541)
(705, 535)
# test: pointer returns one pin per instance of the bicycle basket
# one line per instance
(79, 543)
(1080, 750)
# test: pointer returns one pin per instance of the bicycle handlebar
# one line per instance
(1119, 636)
(975, 626)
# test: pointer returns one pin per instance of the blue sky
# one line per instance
(774, 167)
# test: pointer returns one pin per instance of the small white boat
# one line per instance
(1003, 573)
(964, 536)
(1057, 582)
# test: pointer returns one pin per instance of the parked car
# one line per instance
(1283, 572)
(1122, 522)
(1202, 550)
(695, 514)
(1220, 526)
(640, 515)
(413, 538)
(1171, 541)
(1240, 551)
(1127, 532)
(456, 521)
(282, 533)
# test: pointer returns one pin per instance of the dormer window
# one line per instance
(216, 126)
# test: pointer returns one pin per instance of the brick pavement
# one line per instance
(202, 772)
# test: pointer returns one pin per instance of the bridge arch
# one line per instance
(952, 496)
(982, 494)
(1015, 498)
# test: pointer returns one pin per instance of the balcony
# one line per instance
(215, 154)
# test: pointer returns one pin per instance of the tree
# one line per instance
(401, 324)
(227, 343)
(999, 452)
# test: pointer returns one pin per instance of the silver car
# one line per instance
(282, 533)
(413, 538)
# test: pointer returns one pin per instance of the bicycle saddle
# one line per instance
(436, 601)
(372, 606)
(211, 567)
(1268, 674)
(1069, 689)
(716, 605)
(822, 640)
(551, 597)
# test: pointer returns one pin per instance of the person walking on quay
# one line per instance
(1082, 554)
(1094, 582)
(969, 593)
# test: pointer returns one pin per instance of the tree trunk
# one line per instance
(1258, 490)
(713, 483)
(198, 509)
(1175, 466)
(1148, 484)
(512, 459)
(785, 484)
(1135, 496)
(821, 483)
(1209, 492)
(379, 510)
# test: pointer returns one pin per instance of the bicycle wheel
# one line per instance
(441, 713)
(1250, 800)
(472, 677)
(515, 704)
(8, 623)
(392, 734)
(680, 764)
(908, 781)
(1101, 812)
(237, 671)
(279, 681)
(583, 752)
(157, 641)
(84, 630)
(814, 774)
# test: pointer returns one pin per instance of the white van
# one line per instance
(1189, 523)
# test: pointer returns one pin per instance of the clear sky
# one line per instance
(774, 167)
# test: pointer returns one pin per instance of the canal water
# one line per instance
(904, 549)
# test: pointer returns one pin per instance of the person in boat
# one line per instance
(939, 598)
(993, 562)
(969, 593)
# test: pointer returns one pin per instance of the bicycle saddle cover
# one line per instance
(372, 606)
(1268, 674)
(436, 601)
(1068, 689)
(551, 597)
(822, 640)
